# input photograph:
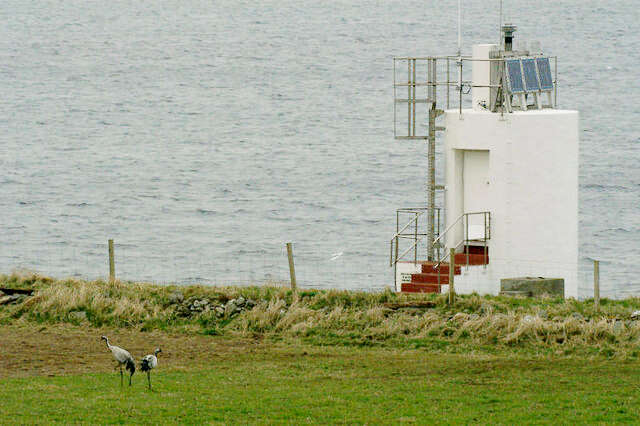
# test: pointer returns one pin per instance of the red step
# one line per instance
(420, 288)
(430, 268)
(475, 249)
(429, 278)
(429, 281)
(472, 259)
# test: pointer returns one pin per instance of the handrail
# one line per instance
(466, 239)
(448, 229)
(417, 213)
(455, 222)
(397, 234)
(415, 243)
(437, 265)
(418, 237)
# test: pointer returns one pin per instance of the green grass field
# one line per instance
(314, 357)
(310, 384)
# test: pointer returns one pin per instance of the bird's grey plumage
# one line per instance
(149, 362)
(123, 357)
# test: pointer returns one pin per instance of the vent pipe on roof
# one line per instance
(508, 30)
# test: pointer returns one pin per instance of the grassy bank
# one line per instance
(296, 384)
(474, 324)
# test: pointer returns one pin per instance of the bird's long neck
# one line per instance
(156, 352)
(106, 340)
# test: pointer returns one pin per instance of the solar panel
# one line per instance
(530, 77)
(544, 71)
(514, 76)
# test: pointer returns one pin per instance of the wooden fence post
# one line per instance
(596, 285)
(112, 263)
(452, 269)
(292, 270)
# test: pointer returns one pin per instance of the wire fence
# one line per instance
(161, 265)
(314, 268)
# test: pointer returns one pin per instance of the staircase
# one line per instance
(432, 276)
(475, 256)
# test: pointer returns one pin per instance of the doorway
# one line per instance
(475, 179)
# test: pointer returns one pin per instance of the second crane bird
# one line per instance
(150, 362)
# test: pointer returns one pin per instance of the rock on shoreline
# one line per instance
(196, 305)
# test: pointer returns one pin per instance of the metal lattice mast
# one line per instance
(431, 151)
(431, 179)
(431, 186)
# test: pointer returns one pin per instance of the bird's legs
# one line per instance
(149, 378)
(121, 375)
(130, 375)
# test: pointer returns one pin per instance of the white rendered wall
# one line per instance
(532, 193)
(404, 271)
(480, 75)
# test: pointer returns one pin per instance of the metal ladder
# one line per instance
(412, 101)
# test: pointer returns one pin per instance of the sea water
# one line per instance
(202, 136)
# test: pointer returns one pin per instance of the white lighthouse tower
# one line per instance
(509, 200)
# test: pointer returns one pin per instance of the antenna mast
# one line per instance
(500, 27)
(459, 27)
(459, 61)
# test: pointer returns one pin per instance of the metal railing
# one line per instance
(422, 80)
(463, 219)
(413, 234)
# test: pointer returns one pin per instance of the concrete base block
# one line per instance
(532, 286)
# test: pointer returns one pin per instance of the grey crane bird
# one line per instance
(123, 358)
(149, 362)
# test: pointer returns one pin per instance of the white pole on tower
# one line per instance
(459, 27)
(459, 62)
(500, 27)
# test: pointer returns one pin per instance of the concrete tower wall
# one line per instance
(529, 161)
(481, 75)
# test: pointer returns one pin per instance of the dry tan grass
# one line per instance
(130, 306)
(341, 316)
(297, 313)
